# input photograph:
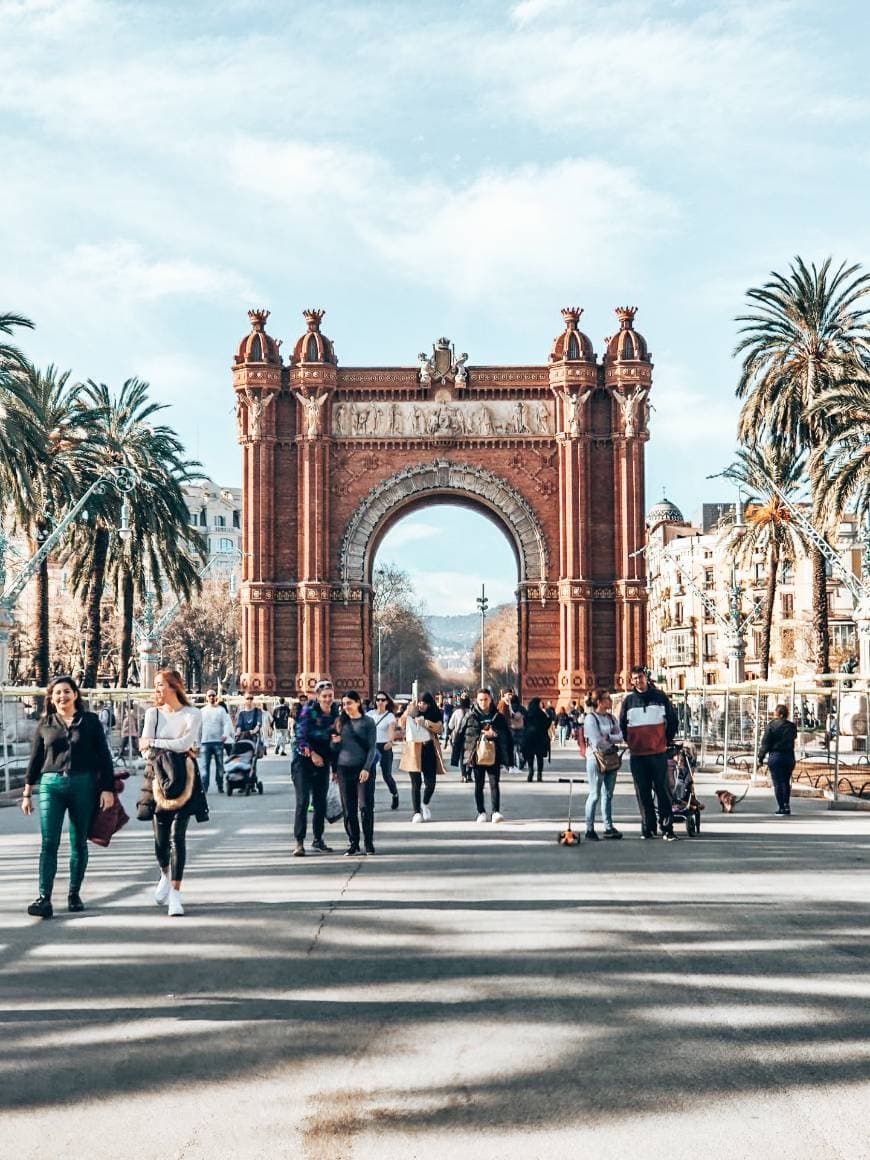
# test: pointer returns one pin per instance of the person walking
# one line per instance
(517, 727)
(384, 717)
(312, 761)
(130, 732)
(456, 737)
(648, 722)
(536, 738)
(601, 731)
(487, 749)
(563, 727)
(281, 722)
(777, 745)
(356, 749)
(421, 753)
(250, 725)
(217, 731)
(171, 724)
(71, 763)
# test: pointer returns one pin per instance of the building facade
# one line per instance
(216, 512)
(332, 457)
(688, 645)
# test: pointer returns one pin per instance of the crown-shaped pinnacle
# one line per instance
(625, 314)
(259, 318)
(571, 316)
(312, 318)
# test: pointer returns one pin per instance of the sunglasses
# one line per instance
(384, 699)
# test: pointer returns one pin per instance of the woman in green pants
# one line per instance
(72, 764)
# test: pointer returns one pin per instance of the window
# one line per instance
(573, 347)
(710, 646)
(708, 615)
(678, 612)
(711, 678)
(787, 573)
(311, 351)
(225, 544)
(679, 582)
(680, 651)
(257, 349)
(759, 571)
(237, 518)
(220, 521)
(757, 642)
(787, 605)
(203, 518)
(843, 637)
(709, 582)
(786, 637)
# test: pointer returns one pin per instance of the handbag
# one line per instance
(608, 760)
(106, 823)
(334, 808)
(484, 754)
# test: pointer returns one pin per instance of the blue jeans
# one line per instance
(601, 787)
(212, 751)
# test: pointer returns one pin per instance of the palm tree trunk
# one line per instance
(41, 633)
(770, 598)
(821, 633)
(125, 644)
(93, 638)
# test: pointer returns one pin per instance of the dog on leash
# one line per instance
(727, 801)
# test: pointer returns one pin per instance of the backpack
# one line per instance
(280, 716)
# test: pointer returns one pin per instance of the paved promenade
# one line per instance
(470, 992)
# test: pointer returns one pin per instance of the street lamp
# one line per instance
(482, 605)
(382, 630)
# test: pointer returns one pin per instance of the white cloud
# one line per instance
(409, 532)
(450, 593)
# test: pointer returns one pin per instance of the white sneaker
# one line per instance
(496, 818)
(161, 891)
(175, 907)
(427, 814)
(481, 818)
(417, 818)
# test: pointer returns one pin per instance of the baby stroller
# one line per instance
(681, 783)
(240, 769)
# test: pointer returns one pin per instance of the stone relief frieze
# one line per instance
(424, 420)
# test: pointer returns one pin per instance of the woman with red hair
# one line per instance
(175, 725)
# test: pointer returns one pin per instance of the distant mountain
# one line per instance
(455, 633)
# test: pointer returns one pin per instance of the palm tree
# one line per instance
(770, 530)
(805, 328)
(840, 468)
(60, 457)
(16, 431)
(162, 546)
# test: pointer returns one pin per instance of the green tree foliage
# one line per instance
(803, 331)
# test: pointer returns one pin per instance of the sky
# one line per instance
(421, 169)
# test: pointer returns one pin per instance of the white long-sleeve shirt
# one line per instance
(601, 730)
(178, 731)
(217, 724)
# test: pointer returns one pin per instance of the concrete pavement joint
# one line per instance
(326, 914)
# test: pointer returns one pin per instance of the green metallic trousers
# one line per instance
(76, 794)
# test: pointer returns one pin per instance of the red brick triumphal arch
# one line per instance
(333, 456)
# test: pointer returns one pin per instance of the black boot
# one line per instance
(74, 901)
(42, 907)
(368, 828)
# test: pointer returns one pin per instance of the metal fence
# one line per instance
(20, 709)
(726, 725)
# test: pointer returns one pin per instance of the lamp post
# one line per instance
(123, 480)
(382, 629)
(482, 605)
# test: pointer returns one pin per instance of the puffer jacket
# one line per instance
(474, 724)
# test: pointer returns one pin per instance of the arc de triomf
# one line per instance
(334, 456)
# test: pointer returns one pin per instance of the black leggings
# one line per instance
(170, 843)
(384, 759)
(781, 766)
(493, 772)
(358, 801)
(532, 758)
(417, 780)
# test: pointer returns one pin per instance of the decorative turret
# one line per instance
(313, 347)
(258, 347)
(626, 345)
(572, 345)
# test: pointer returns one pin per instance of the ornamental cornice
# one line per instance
(257, 378)
(304, 592)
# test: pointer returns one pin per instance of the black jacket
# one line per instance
(80, 749)
(473, 726)
(536, 738)
(779, 737)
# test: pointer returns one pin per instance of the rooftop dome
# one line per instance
(258, 346)
(664, 512)
(313, 346)
(572, 344)
(626, 345)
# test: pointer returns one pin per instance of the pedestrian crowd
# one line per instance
(336, 748)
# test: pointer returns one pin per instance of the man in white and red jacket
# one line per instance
(648, 722)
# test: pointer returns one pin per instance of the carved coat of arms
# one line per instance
(442, 366)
